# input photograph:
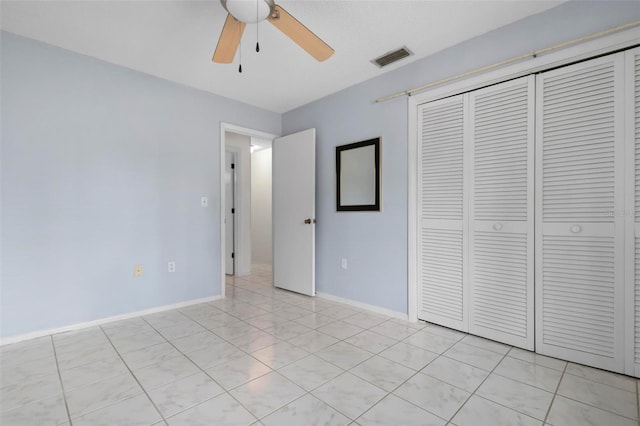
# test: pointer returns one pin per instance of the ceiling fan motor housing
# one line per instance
(249, 11)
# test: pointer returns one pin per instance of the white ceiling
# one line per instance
(175, 39)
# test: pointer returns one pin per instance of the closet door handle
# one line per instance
(576, 229)
(497, 226)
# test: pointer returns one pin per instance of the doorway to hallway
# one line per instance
(245, 211)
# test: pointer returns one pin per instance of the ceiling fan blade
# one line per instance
(302, 35)
(229, 40)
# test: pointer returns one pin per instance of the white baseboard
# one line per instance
(79, 326)
(372, 308)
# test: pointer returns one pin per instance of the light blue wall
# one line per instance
(103, 168)
(375, 244)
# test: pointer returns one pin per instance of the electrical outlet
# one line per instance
(344, 263)
(171, 266)
(137, 271)
(204, 201)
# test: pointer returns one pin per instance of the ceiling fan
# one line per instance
(241, 12)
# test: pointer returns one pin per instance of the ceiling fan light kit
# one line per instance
(249, 11)
(241, 12)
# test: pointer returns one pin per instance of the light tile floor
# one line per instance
(269, 357)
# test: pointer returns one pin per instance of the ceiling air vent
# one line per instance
(391, 57)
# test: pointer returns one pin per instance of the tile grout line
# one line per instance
(306, 392)
(420, 372)
(207, 374)
(362, 362)
(525, 383)
(384, 390)
(336, 365)
(329, 362)
(309, 354)
(245, 350)
(557, 386)
(325, 402)
(290, 402)
(600, 408)
(134, 377)
(343, 372)
(564, 371)
(64, 395)
(399, 386)
(554, 393)
(480, 385)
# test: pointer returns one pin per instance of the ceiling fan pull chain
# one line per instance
(257, 28)
(240, 56)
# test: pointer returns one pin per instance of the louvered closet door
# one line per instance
(632, 210)
(501, 212)
(442, 216)
(579, 237)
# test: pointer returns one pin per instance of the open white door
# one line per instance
(294, 208)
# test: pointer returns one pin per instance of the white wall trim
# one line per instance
(372, 308)
(82, 325)
(227, 127)
(631, 229)
(246, 131)
(412, 212)
(618, 41)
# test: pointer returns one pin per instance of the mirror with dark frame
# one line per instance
(358, 176)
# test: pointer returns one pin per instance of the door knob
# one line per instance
(307, 221)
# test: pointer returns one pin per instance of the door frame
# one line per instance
(227, 127)
(589, 49)
(234, 222)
